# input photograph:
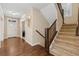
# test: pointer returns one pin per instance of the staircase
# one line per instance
(66, 42)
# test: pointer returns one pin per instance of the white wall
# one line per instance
(49, 13)
(59, 19)
(39, 23)
(1, 25)
(28, 30)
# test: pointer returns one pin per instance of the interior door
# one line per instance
(11, 27)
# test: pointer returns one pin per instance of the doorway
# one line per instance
(23, 29)
(11, 27)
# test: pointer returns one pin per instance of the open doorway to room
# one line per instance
(23, 29)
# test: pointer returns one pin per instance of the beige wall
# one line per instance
(59, 19)
(39, 23)
(18, 27)
(28, 26)
(72, 19)
(5, 27)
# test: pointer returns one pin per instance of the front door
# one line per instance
(11, 27)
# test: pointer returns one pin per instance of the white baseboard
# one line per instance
(30, 43)
(33, 44)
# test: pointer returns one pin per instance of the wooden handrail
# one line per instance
(53, 23)
(61, 11)
(50, 33)
(40, 34)
(60, 7)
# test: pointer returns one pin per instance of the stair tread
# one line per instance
(67, 37)
(65, 50)
(67, 44)
(69, 47)
(74, 42)
(56, 50)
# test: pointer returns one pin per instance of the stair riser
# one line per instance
(65, 30)
(67, 37)
(68, 27)
(68, 34)
(69, 24)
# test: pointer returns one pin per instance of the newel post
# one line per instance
(47, 39)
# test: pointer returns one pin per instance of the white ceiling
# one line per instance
(20, 8)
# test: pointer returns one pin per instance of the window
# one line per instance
(67, 9)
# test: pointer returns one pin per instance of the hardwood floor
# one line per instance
(18, 47)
